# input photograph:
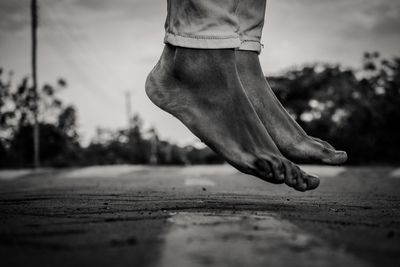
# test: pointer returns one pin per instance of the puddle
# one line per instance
(245, 239)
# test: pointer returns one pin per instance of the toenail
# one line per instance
(312, 182)
(341, 153)
(338, 157)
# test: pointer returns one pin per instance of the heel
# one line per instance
(155, 90)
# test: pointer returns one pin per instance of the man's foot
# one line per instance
(291, 139)
(202, 89)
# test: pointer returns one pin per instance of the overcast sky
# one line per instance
(104, 48)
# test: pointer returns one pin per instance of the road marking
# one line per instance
(244, 239)
(198, 181)
(192, 171)
(395, 173)
(15, 174)
(108, 171)
(214, 170)
(326, 171)
(323, 171)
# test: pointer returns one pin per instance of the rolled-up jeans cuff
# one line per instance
(251, 45)
(203, 42)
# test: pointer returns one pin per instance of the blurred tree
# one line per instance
(358, 111)
(58, 139)
(355, 110)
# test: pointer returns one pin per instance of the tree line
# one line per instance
(357, 110)
(59, 138)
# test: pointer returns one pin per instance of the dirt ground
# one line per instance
(197, 216)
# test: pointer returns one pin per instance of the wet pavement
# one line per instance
(197, 216)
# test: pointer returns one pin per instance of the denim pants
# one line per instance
(215, 24)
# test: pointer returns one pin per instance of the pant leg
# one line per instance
(251, 14)
(204, 24)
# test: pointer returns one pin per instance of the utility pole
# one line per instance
(34, 25)
(128, 108)
(153, 147)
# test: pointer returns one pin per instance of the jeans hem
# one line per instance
(251, 45)
(203, 42)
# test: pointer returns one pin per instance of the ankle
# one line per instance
(198, 67)
(248, 63)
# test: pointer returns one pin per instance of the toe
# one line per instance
(336, 157)
(324, 143)
(290, 173)
(296, 175)
(301, 184)
(277, 170)
(322, 151)
(312, 182)
(265, 170)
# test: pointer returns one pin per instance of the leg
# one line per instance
(201, 88)
(290, 138)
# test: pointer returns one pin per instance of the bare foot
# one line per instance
(202, 89)
(291, 139)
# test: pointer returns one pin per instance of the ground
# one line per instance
(197, 216)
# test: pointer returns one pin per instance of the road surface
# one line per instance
(197, 216)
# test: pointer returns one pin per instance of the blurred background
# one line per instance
(335, 65)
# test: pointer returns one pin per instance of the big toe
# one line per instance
(312, 182)
(329, 154)
(324, 143)
(335, 157)
(320, 151)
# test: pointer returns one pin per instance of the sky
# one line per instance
(105, 48)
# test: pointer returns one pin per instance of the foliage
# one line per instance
(137, 146)
(59, 139)
(357, 111)
(57, 124)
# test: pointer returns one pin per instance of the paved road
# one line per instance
(197, 216)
